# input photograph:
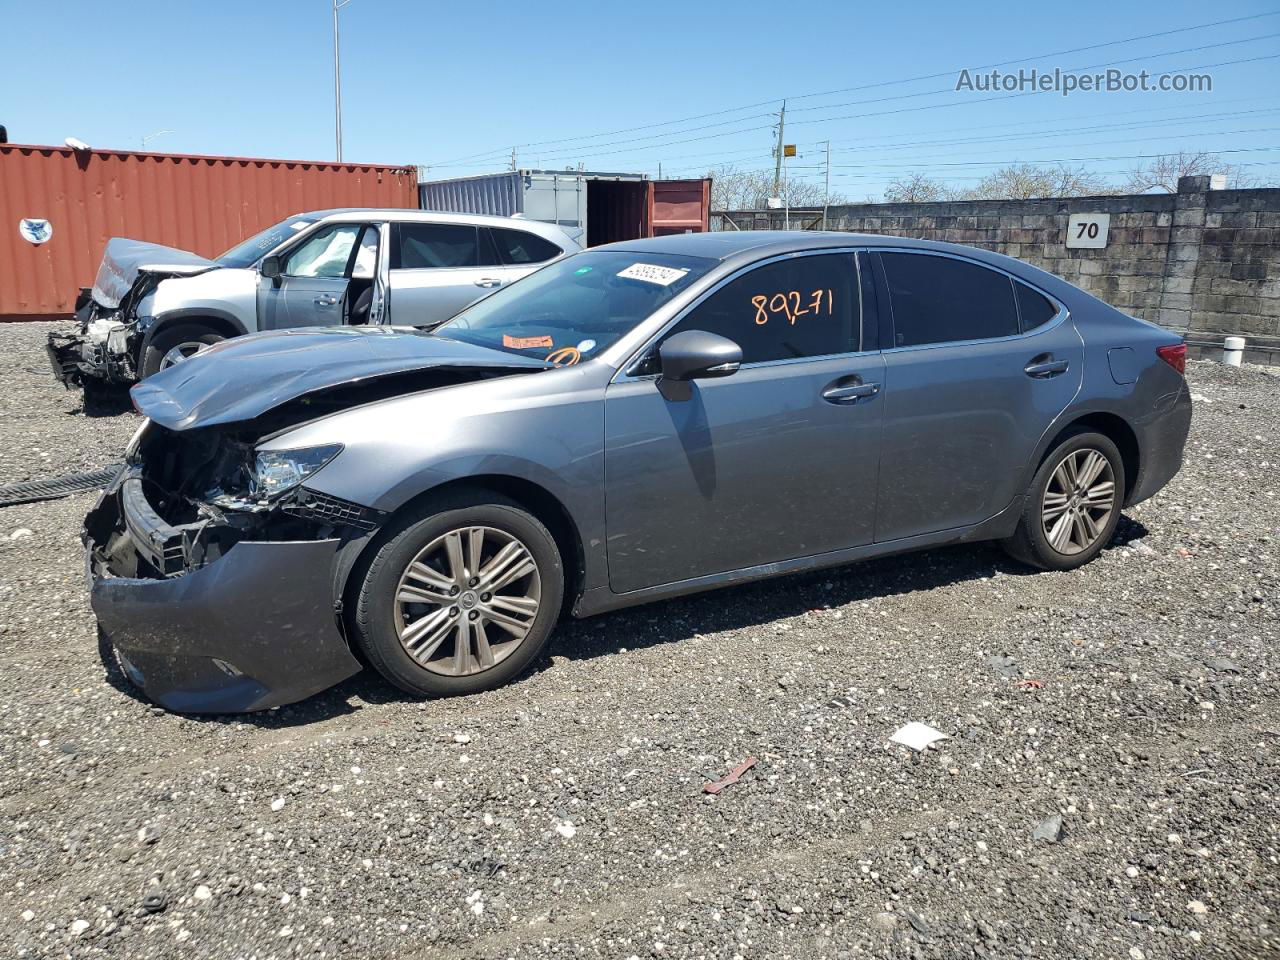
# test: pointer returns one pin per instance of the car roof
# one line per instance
(757, 244)
(401, 215)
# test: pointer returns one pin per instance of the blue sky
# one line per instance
(455, 85)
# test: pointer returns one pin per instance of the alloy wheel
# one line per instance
(182, 351)
(1078, 501)
(467, 601)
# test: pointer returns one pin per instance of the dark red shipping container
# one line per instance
(202, 204)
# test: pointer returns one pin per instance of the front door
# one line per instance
(313, 287)
(777, 461)
(981, 366)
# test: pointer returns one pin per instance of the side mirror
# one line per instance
(696, 354)
(271, 267)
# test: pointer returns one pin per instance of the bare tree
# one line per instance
(733, 188)
(1162, 172)
(915, 188)
(1025, 181)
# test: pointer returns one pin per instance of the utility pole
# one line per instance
(786, 197)
(826, 196)
(337, 83)
(513, 159)
(777, 169)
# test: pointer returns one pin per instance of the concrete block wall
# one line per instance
(1203, 262)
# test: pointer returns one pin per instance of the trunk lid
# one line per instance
(243, 378)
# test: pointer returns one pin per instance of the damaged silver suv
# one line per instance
(152, 306)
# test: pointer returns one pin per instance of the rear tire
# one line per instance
(423, 616)
(1073, 504)
(184, 340)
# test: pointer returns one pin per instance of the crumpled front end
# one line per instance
(104, 345)
(215, 599)
(100, 347)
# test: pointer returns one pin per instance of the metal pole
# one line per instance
(786, 198)
(337, 85)
(826, 197)
(777, 167)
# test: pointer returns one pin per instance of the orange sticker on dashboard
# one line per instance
(526, 343)
(564, 357)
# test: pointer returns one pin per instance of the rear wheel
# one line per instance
(176, 344)
(1073, 506)
(460, 598)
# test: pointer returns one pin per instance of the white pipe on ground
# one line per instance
(1232, 351)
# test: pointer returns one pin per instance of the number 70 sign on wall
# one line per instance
(1088, 231)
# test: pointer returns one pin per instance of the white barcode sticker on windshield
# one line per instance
(652, 273)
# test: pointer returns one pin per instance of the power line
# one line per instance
(880, 113)
(739, 155)
(867, 86)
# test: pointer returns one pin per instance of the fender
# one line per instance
(175, 317)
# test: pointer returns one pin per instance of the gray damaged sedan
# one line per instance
(630, 423)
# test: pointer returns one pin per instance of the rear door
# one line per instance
(312, 288)
(436, 269)
(978, 366)
(775, 462)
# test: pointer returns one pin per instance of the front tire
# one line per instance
(1073, 505)
(460, 597)
(174, 345)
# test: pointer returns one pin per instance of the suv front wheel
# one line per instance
(175, 345)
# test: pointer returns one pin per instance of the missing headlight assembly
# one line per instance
(186, 499)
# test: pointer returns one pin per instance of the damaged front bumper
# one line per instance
(209, 626)
(101, 350)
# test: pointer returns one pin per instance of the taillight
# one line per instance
(1175, 355)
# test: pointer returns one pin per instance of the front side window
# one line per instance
(326, 253)
(799, 307)
(576, 307)
(366, 264)
(520, 247)
(941, 299)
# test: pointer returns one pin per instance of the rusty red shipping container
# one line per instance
(202, 204)
(679, 206)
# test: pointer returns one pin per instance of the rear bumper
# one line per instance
(1162, 437)
(254, 629)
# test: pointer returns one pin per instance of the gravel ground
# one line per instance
(564, 815)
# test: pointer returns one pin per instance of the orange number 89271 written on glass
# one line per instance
(792, 304)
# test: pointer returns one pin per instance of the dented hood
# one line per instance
(125, 259)
(245, 377)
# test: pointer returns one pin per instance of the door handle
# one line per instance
(851, 393)
(326, 300)
(1044, 366)
(488, 282)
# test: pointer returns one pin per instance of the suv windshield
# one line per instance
(576, 307)
(246, 252)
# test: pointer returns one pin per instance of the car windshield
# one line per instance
(574, 308)
(247, 252)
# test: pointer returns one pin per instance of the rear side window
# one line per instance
(941, 299)
(520, 247)
(419, 246)
(1034, 309)
(800, 307)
